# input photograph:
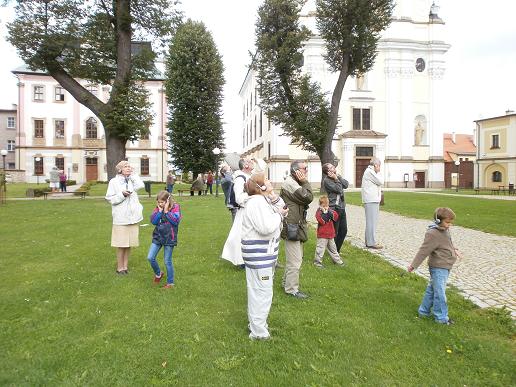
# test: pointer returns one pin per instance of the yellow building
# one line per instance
(496, 151)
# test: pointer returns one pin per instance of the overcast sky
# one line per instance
(481, 64)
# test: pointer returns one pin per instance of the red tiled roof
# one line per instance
(463, 145)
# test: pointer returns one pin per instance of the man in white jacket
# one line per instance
(232, 250)
(372, 182)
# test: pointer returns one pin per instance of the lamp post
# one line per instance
(37, 159)
(3, 152)
(216, 152)
(457, 163)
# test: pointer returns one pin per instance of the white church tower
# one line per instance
(392, 112)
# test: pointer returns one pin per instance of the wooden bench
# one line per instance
(180, 191)
(82, 194)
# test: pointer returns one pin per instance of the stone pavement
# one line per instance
(486, 275)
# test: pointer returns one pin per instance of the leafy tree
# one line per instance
(351, 30)
(94, 40)
(194, 82)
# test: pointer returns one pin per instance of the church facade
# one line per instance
(392, 112)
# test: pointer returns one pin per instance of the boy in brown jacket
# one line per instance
(441, 253)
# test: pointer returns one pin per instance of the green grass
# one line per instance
(100, 189)
(18, 190)
(67, 319)
(489, 215)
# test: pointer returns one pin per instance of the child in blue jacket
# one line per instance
(165, 217)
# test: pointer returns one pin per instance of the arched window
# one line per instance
(497, 177)
(91, 128)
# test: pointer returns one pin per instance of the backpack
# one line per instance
(231, 201)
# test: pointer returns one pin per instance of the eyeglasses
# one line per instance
(305, 168)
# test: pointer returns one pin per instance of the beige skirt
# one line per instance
(125, 236)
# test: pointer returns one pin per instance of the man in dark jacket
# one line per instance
(297, 194)
(334, 185)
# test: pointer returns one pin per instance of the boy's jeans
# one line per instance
(153, 252)
(435, 295)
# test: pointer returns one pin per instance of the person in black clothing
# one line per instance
(334, 185)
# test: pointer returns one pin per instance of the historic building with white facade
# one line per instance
(54, 129)
(392, 112)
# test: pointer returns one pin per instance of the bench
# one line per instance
(180, 191)
(81, 193)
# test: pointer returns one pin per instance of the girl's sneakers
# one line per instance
(168, 286)
(157, 278)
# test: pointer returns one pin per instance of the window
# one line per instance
(38, 165)
(364, 151)
(60, 163)
(144, 166)
(361, 119)
(497, 177)
(11, 145)
(11, 166)
(11, 122)
(59, 128)
(93, 89)
(39, 93)
(59, 94)
(91, 128)
(495, 141)
(39, 129)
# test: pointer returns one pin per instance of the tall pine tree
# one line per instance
(194, 82)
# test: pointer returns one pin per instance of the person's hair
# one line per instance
(294, 166)
(442, 213)
(326, 167)
(255, 183)
(241, 163)
(120, 165)
(323, 200)
(163, 195)
(222, 172)
(375, 161)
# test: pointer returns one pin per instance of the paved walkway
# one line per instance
(486, 275)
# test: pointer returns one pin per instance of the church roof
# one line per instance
(463, 145)
(362, 133)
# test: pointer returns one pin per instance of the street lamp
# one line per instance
(457, 163)
(37, 159)
(216, 152)
(3, 152)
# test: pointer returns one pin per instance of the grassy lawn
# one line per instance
(67, 319)
(494, 216)
(17, 190)
(100, 189)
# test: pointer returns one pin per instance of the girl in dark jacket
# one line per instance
(165, 217)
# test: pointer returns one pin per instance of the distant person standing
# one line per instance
(54, 179)
(127, 212)
(62, 181)
(209, 183)
(372, 181)
(297, 195)
(171, 180)
(334, 185)
(226, 181)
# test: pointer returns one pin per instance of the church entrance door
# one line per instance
(419, 180)
(91, 169)
(360, 167)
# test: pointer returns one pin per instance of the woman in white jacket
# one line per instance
(127, 212)
(261, 227)
(372, 182)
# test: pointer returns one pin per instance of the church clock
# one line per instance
(420, 64)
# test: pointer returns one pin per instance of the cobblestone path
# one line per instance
(486, 275)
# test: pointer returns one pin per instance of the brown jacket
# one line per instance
(438, 247)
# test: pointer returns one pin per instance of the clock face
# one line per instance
(420, 64)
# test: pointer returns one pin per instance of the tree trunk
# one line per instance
(115, 152)
(327, 155)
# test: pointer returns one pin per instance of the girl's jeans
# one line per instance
(153, 252)
(435, 295)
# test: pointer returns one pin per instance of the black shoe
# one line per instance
(120, 272)
(299, 295)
